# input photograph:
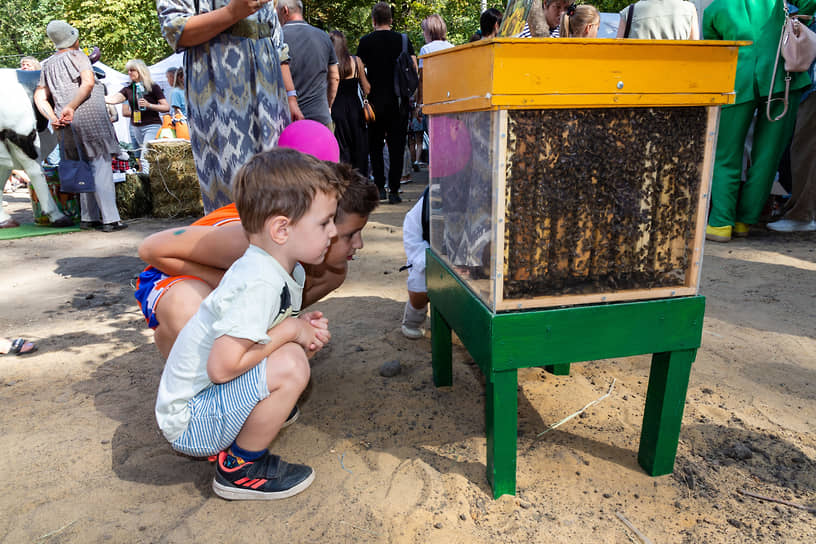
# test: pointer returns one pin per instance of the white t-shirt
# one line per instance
(432, 47)
(255, 294)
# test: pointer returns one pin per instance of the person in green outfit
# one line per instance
(734, 210)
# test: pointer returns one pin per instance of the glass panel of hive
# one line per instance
(462, 173)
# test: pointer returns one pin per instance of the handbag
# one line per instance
(797, 45)
(76, 176)
(368, 111)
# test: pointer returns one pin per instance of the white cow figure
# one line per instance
(20, 143)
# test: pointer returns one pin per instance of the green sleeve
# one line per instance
(806, 7)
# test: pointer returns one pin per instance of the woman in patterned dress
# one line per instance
(81, 119)
(237, 103)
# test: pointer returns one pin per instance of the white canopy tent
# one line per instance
(158, 70)
(115, 80)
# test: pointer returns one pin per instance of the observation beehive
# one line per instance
(567, 172)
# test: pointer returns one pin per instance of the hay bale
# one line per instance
(133, 197)
(173, 180)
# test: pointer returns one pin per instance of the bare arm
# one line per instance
(203, 252)
(320, 281)
(115, 98)
(41, 95)
(230, 356)
(334, 81)
(289, 85)
(205, 26)
(362, 75)
(161, 106)
(695, 26)
(621, 27)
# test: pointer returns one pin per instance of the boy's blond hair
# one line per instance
(283, 182)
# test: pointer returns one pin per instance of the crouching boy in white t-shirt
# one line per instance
(241, 362)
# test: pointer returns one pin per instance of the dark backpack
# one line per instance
(406, 79)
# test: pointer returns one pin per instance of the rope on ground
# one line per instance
(643, 538)
(579, 412)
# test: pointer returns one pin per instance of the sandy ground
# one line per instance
(398, 460)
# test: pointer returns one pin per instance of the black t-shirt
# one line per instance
(379, 51)
(149, 117)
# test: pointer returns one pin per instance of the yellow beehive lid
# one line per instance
(536, 73)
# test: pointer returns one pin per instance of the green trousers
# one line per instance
(731, 203)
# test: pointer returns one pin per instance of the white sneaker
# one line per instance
(791, 225)
(412, 321)
(413, 334)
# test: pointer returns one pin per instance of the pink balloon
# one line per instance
(451, 144)
(311, 137)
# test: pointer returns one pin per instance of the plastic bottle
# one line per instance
(140, 92)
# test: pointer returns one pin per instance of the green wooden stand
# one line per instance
(501, 343)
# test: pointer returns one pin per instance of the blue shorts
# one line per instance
(218, 413)
(150, 287)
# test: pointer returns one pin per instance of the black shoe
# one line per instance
(394, 198)
(90, 225)
(110, 227)
(265, 479)
(63, 221)
(293, 416)
(383, 196)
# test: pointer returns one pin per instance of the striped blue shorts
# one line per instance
(218, 413)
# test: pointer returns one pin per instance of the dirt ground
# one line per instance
(397, 459)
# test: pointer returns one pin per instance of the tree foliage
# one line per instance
(122, 29)
(22, 24)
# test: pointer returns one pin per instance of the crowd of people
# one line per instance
(284, 216)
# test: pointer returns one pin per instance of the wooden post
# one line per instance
(501, 419)
(441, 357)
(663, 415)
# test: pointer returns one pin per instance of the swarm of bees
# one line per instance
(601, 199)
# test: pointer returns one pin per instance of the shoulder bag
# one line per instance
(367, 110)
(797, 45)
(76, 176)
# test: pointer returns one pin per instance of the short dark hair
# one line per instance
(488, 20)
(360, 197)
(280, 181)
(381, 13)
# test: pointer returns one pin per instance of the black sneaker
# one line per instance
(293, 416)
(90, 225)
(268, 478)
(383, 195)
(394, 198)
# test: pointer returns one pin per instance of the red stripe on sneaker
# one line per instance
(242, 481)
(258, 484)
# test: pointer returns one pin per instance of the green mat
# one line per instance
(31, 229)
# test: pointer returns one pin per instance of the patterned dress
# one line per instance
(236, 101)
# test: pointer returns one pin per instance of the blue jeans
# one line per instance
(140, 135)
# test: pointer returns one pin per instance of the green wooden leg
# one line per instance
(501, 417)
(440, 349)
(663, 415)
(558, 370)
